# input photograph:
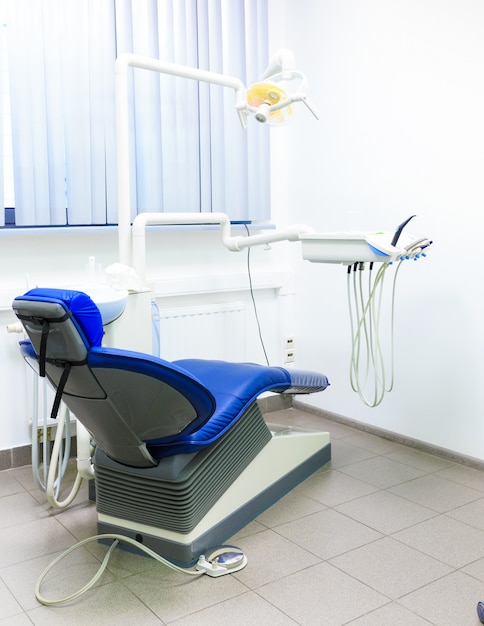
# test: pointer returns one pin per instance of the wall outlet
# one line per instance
(289, 356)
(289, 343)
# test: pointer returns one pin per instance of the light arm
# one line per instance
(122, 64)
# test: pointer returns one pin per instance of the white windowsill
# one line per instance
(77, 230)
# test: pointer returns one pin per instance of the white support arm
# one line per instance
(233, 243)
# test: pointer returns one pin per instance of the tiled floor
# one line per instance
(384, 535)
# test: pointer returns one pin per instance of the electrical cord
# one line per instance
(249, 273)
(203, 566)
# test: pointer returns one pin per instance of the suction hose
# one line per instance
(56, 453)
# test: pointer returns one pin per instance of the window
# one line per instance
(189, 152)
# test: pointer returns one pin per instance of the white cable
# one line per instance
(116, 539)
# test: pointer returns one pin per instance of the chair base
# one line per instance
(287, 459)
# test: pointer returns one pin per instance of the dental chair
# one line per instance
(183, 457)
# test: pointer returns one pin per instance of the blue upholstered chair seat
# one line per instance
(235, 386)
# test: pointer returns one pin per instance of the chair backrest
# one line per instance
(123, 398)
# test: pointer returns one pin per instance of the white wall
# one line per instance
(400, 91)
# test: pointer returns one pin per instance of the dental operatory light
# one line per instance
(271, 100)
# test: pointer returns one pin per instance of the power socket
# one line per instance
(289, 354)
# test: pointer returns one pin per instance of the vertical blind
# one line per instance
(188, 151)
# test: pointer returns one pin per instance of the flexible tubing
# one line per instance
(365, 336)
(53, 483)
(116, 540)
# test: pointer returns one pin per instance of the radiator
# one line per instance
(212, 331)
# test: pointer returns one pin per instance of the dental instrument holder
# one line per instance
(360, 247)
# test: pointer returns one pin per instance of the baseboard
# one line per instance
(15, 457)
(422, 446)
(22, 455)
(275, 402)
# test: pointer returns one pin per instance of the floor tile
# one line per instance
(449, 601)
(322, 594)
(436, 493)
(109, 605)
(464, 475)
(249, 529)
(381, 472)
(8, 604)
(385, 511)
(172, 595)
(343, 453)
(476, 569)
(8, 484)
(327, 533)
(292, 506)
(471, 514)
(68, 576)
(16, 620)
(271, 556)
(390, 567)
(421, 460)
(80, 519)
(445, 539)
(32, 539)
(332, 487)
(392, 613)
(19, 508)
(24, 476)
(245, 610)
